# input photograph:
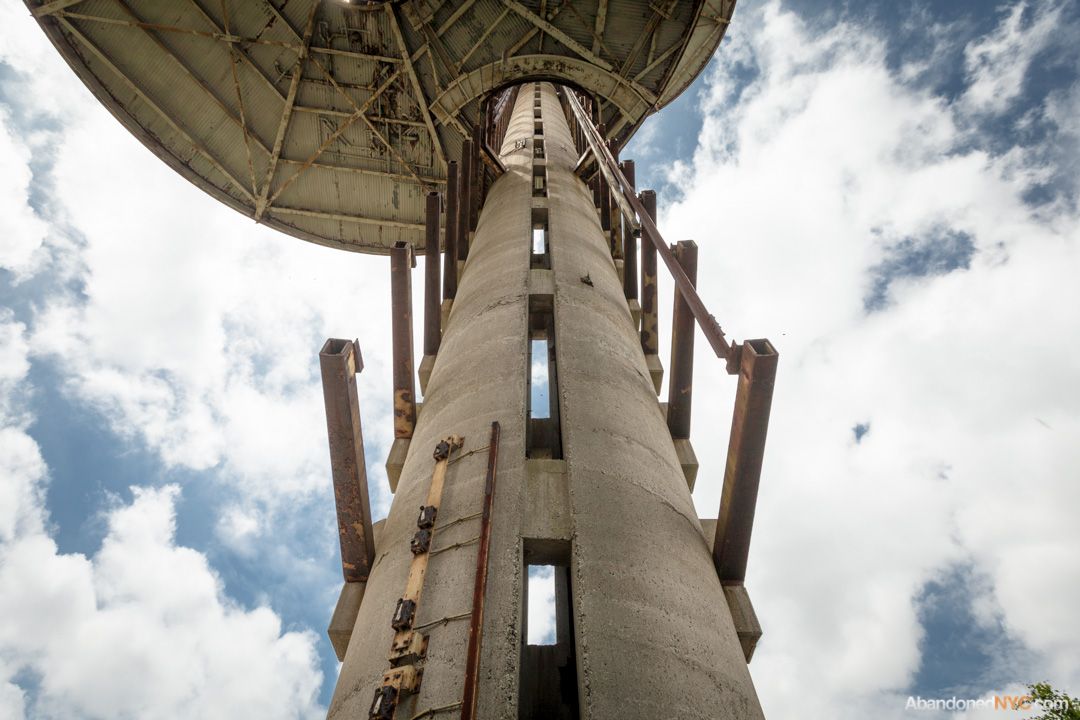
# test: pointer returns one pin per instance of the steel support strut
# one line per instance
(452, 226)
(340, 362)
(401, 262)
(681, 381)
(753, 401)
(432, 263)
(650, 338)
(629, 249)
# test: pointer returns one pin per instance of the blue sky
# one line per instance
(890, 196)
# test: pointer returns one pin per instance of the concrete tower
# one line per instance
(484, 135)
(592, 486)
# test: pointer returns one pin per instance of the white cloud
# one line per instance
(22, 232)
(140, 630)
(997, 64)
(801, 186)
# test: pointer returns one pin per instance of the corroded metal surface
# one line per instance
(401, 262)
(681, 382)
(332, 121)
(746, 450)
(340, 362)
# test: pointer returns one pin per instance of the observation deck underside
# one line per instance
(331, 121)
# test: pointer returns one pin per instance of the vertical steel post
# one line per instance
(401, 260)
(340, 361)
(629, 249)
(604, 193)
(464, 199)
(452, 226)
(742, 476)
(476, 189)
(681, 382)
(650, 341)
(432, 262)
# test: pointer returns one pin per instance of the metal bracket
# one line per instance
(403, 614)
(421, 542)
(428, 513)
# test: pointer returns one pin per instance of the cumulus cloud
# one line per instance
(820, 177)
(140, 629)
(22, 232)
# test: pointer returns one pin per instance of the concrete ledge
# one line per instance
(743, 616)
(688, 460)
(426, 366)
(396, 460)
(656, 371)
(547, 501)
(745, 619)
(541, 282)
(635, 313)
(344, 618)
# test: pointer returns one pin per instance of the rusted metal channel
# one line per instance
(465, 182)
(432, 267)
(476, 623)
(631, 207)
(681, 382)
(749, 426)
(401, 263)
(476, 189)
(340, 362)
(650, 338)
(450, 264)
(629, 244)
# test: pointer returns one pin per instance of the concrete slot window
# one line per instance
(538, 128)
(538, 148)
(548, 683)
(544, 433)
(539, 181)
(540, 244)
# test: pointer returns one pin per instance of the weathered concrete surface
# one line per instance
(653, 630)
(479, 375)
(653, 634)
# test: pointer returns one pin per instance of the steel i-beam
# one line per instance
(681, 382)
(742, 476)
(452, 225)
(340, 361)
(401, 263)
(432, 325)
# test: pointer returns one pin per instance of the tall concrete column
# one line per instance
(649, 632)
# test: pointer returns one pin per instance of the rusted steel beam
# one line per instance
(631, 206)
(650, 338)
(340, 361)
(432, 262)
(681, 382)
(477, 170)
(452, 227)
(604, 192)
(465, 182)
(401, 262)
(629, 249)
(746, 448)
(476, 622)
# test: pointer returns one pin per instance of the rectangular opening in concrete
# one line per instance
(540, 605)
(548, 683)
(538, 128)
(540, 255)
(538, 148)
(539, 181)
(543, 429)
